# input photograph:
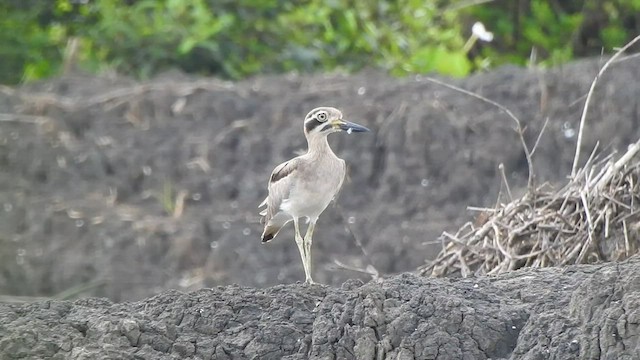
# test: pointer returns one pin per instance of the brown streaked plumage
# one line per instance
(304, 186)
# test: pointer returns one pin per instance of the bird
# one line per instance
(304, 186)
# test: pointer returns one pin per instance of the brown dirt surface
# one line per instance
(577, 312)
(122, 189)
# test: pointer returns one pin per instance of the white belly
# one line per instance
(316, 183)
(311, 196)
(306, 204)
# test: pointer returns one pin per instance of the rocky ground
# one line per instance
(121, 189)
(579, 312)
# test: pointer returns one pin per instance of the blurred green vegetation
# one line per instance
(556, 31)
(238, 38)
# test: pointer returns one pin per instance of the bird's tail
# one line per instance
(273, 226)
(269, 233)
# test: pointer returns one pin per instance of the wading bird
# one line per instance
(304, 186)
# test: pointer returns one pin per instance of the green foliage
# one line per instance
(149, 35)
(405, 36)
(556, 30)
(239, 38)
(25, 46)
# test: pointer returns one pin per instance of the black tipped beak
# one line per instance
(352, 127)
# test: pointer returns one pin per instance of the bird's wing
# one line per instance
(279, 188)
(344, 175)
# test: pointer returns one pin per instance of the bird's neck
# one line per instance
(318, 146)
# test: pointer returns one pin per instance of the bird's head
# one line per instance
(326, 120)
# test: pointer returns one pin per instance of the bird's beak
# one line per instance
(349, 127)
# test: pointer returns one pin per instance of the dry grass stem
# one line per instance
(504, 181)
(519, 127)
(585, 109)
(370, 270)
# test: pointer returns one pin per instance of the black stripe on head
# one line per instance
(312, 124)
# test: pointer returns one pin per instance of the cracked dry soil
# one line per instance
(578, 312)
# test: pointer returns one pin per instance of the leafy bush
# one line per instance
(150, 36)
(234, 39)
(556, 31)
(26, 46)
(238, 38)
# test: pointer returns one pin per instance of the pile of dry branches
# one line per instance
(594, 217)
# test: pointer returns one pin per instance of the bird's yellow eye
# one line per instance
(322, 116)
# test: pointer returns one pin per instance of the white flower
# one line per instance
(481, 33)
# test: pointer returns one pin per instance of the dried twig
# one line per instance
(370, 270)
(585, 109)
(371, 267)
(504, 180)
(519, 128)
(27, 119)
(535, 145)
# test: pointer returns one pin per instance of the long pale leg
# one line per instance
(301, 248)
(308, 240)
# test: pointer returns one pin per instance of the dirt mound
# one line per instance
(579, 312)
(121, 189)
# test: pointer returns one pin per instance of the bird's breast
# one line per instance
(314, 189)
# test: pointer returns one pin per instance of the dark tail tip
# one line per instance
(267, 238)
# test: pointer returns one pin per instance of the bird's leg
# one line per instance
(301, 249)
(308, 239)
